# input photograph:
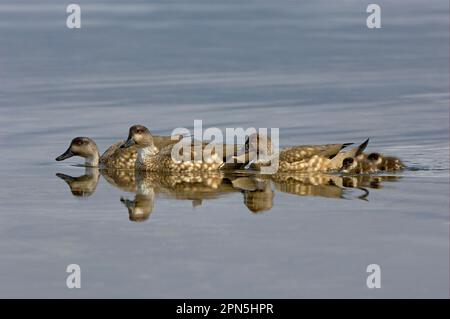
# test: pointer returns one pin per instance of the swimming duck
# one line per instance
(114, 156)
(371, 163)
(150, 158)
(258, 153)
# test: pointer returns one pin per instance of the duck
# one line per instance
(114, 157)
(371, 163)
(192, 157)
(258, 154)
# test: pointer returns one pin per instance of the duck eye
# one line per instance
(78, 142)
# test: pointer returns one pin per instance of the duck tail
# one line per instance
(336, 162)
(345, 145)
(362, 147)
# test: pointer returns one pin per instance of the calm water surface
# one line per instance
(311, 68)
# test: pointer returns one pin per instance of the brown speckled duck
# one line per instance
(150, 158)
(302, 158)
(114, 156)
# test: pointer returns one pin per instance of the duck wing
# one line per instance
(111, 150)
(118, 157)
(162, 141)
(302, 152)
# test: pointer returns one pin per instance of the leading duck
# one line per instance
(114, 156)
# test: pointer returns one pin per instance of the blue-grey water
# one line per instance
(311, 68)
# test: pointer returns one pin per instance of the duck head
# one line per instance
(348, 164)
(257, 149)
(84, 147)
(375, 158)
(140, 208)
(140, 136)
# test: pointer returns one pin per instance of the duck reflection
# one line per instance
(258, 190)
(123, 179)
(328, 185)
(315, 184)
(195, 187)
(84, 185)
(141, 207)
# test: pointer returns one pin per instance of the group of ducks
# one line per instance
(146, 152)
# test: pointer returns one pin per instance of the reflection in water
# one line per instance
(84, 185)
(121, 178)
(141, 207)
(257, 190)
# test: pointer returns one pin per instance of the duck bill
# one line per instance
(128, 143)
(67, 154)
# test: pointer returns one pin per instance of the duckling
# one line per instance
(386, 163)
(150, 158)
(371, 163)
(114, 156)
(302, 158)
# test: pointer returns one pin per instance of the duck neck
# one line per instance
(92, 160)
(92, 171)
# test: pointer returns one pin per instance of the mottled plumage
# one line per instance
(119, 158)
(162, 161)
(185, 156)
(303, 158)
